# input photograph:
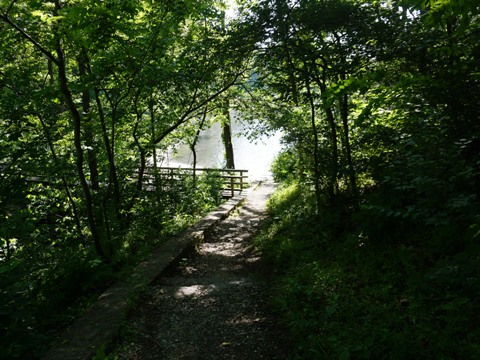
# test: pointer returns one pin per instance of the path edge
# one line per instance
(101, 322)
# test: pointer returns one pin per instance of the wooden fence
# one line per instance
(234, 180)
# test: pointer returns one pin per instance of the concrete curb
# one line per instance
(101, 322)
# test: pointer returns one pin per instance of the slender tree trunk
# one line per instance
(153, 135)
(143, 156)
(194, 153)
(316, 161)
(334, 166)
(343, 106)
(113, 179)
(143, 162)
(156, 172)
(51, 76)
(194, 144)
(113, 176)
(333, 186)
(154, 148)
(291, 75)
(227, 137)
(77, 123)
(89, 134)
(348, 152)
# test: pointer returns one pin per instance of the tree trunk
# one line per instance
(89, 134)
(227, 137)
(113, 179)
(346, 143)
(334, 166)
(316, 161)
(51, 76)
(113, 176)
(194, 144)
(143, 160)
(77, 124)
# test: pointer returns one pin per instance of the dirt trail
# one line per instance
(213, 305)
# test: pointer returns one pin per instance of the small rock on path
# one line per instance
(214, 305)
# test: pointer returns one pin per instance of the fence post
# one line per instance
(241, 181)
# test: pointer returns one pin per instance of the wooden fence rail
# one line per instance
(234, 180)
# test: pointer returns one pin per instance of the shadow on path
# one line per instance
(214, 304)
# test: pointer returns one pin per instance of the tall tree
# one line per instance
(127, 55)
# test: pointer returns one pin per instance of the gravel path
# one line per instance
(213, 305)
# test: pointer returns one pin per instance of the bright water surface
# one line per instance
(254, 156)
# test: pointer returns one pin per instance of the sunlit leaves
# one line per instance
(131, 72)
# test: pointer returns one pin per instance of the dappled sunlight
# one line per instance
(228, 249)
(253, 259)
(194, 290)
(246, 320)
(212, 305)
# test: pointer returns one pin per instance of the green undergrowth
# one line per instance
(353, 296)
(52, 275)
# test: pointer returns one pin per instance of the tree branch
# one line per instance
(10, 7)
(24, 34)
(186, 116)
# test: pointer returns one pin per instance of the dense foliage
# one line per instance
(91, 93)
(376, 235)
(354, 299)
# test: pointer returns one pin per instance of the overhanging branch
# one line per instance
(27, 36)
(192, 109)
